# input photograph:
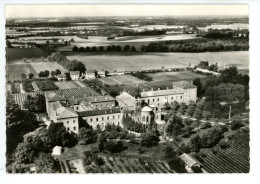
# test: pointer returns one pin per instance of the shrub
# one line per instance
(205, 125)
(224, 145)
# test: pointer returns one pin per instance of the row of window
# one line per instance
(158, 99)
(74, 128)
(102, 118)
(74, 121)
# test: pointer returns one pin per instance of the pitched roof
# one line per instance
(97, 112)
(74, 72)
(189, 161)
(87, 100)
(66, 112)
(53, 97)
(126, 99)
(161, 92)
(61, 75)
(184, 85)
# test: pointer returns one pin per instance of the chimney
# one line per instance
(152, 89)
(158, 89)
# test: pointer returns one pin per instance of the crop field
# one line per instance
(178, 75)
(150, 61)
(50, 66)
(14, 54)
(231, 160)
(65, 85)
(121, 79)
(134, 165)
(14, 71)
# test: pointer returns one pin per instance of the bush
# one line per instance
(205, 125)
(114, 147)
(236, 125)
(224, 145)
(46, 85)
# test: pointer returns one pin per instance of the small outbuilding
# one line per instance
(190, 162)
(57, 150)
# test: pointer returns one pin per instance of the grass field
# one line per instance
(65, 85)
(146, 61)
(121, 79)
(50, 66)
(178, 75)
(14, 71)
(14, 54)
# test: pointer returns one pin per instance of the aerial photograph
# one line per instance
(126, 89)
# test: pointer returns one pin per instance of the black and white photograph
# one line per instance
(127, 88)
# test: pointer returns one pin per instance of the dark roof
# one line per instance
(97, 112)
(74, 73)
(88, 100)
(184, 85)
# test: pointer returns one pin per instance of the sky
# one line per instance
(42, 11)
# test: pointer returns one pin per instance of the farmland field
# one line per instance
(65, 85)
(121, 79)
(14, 54)
(178, 75)
(147, 61)
(231, 160)
(50, 66)
(14, 71)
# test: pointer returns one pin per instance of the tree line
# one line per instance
(112, 48)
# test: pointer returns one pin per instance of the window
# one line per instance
(101, 105)
(108, 118)
(96, 106)
(158, 99)
(153, 100)
(113, 117)
(67, 122)
(102, 118)
(77, 108)
(172, 97)
(90, 119)
(96, 119)
(118, 116)
(73, 121)
(74, 128)
(106, 104)
(68, 129)
(148, 101)
(180, 97)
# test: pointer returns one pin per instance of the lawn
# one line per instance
(14, 54)
(137, 61)
(121, 79)
(14, 71)
(50, 66)
(65, 85)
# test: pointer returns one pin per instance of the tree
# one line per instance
(182, 109)
(143, 47)
(101, 142)
(101, 48)
(94, 49)
(88, 49)
(150, 139)
(57, 72)
(41, 74)
(87, 136)
(133, 49)
(35, 104)
(23, 76)
(75, 49)
(174, 125)
(127, 48)
(31, 75)
(177, 165)
(114, 147)
(199, 109)
(109, 48)
(197, 83)
(46, 73)
(52, 73)
(191, 109)
(81, 49)
(118, 48)
(195, 143)
(175, 106)
(45, 163)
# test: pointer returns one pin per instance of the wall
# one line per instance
(102, 120)
(71, 124)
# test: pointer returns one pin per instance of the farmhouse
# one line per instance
(90, 74)
(102, 74)
(74, 75)
(61, 77)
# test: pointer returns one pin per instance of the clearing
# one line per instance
(14, 54)
(14, 71)
(122, 61)
(50, 66)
